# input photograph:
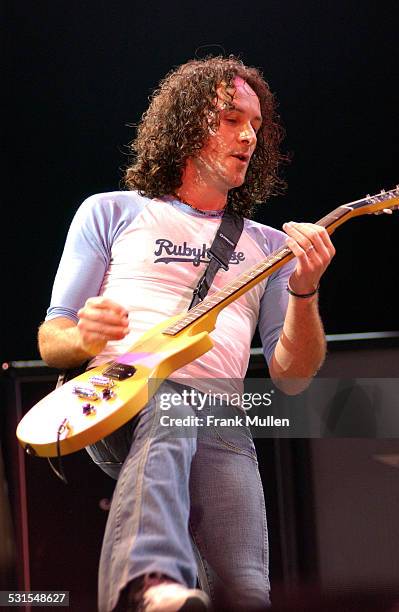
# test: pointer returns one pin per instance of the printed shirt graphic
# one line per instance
(148, 255)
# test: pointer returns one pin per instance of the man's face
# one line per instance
(224, 159)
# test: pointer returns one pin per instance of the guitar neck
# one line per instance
(243, 283)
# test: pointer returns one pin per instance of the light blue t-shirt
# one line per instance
(148, 255)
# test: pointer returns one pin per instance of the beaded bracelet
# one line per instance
(302, 295)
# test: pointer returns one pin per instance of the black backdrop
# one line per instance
(77, 73)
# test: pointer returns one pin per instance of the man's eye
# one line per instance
(231, 119)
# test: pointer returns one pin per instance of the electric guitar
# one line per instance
(99, 401)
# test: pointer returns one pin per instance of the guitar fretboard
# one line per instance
(248, 279)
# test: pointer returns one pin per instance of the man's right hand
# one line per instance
(101, 320)
(65, 344)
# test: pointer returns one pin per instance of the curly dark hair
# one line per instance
(176, 126)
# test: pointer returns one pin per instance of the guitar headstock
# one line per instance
(383, 202)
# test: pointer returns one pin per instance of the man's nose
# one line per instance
(248, 135)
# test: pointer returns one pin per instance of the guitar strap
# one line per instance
(222, 247)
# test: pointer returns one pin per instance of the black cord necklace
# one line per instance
(206, 213)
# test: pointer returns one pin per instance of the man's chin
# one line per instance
(237, 183)
(233, 182)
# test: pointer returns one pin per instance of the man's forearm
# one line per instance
(65, 344)
(301, 348)
(59, 344)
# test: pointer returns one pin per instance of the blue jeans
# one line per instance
(188, 502)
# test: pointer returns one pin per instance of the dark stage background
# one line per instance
(79, 73)
(77, 77)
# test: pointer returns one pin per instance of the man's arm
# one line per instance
(66, 344)
(301, 348)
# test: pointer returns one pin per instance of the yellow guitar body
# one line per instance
(155, 356)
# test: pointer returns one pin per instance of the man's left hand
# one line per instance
(312, 246)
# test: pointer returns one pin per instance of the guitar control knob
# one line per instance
(107, 394)
(88, 409)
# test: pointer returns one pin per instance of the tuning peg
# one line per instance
(387, 211)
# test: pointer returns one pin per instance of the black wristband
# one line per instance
(302, 295)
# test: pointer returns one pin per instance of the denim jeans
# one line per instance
(188, 502)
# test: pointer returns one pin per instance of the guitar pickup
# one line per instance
(102, 381)
(120, 371)
(87, 393)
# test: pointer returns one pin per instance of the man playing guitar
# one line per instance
(188, 505)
